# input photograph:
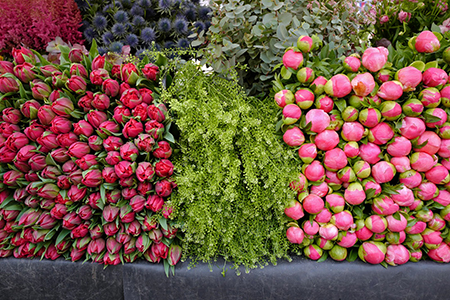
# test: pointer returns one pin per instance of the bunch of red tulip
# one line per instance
(85, 169)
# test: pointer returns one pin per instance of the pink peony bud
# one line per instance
(307, 152)
(375, 58)
(291, 114)
(354, 194)
(292, 59)
(412, 127)
(372, 252)
(327, 140)
(363, 84)
(381, 134)
(295, 235)
(304, 98)
(343, 220)
(336, 202)
(438, 175)
(299, 184)
(304, 43)
(441, 253)
(369, 117)
(397, 255)
(383, 172)
(294, 137)
(391, 110)
(351, 149)
(427, 42)
(400, 147)
(370, 153)
(432, 140)
(323, 217)
(284, 97)
(409, 77)
(335, 159)
(338, 86)
(384, 206)
(434, 77)
(430, 97)
(404, 16)
(305, 75)
(410, 179)
(390, 90)
(422, 162)
(318, 85)
(401, 163)
(352, 131)
(352, 64)
(324, 103)
(329, 232)
(313, 204)
(319, 120)
(314, 171)
(427, 191)
(151, 71)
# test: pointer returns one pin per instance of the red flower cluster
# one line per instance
(88, 170)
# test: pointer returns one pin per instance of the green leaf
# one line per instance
(341, 104)
(431, 64)
(103, 193)
(324, 257)
(166, 267)
(163, 222)
(285, 73)
(420, 65)
(93, 52)
(370, 193)
(353, 255)
(168, 136)
(62, 235)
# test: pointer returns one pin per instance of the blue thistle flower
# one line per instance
(190, 14)
(102, 50)
(203, 12)
(148, 35)
(100, 22)
(131, 40)
(200, 26)
(128, 27)
(169, 45)
(89, 34)
(180, 26)
(138, 21)
(165, 5)
(183, 43)
(126, 3)
(116, 47)
(136, 10)
(207, 24)
(164, 25)
(107, 38)
(118, 29)
(121, 16)
(145, 4)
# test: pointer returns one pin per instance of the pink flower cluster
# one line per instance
(86, 167)
(375, 147)
(34, 23)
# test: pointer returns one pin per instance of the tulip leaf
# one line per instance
(93, 52)
(384, 264)
(50, 161)
(168, 136)
(103, 193)
(163, 223)
(166, 267)
(61, 236)
(397, 216)
(13, 207)
(7, 201)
